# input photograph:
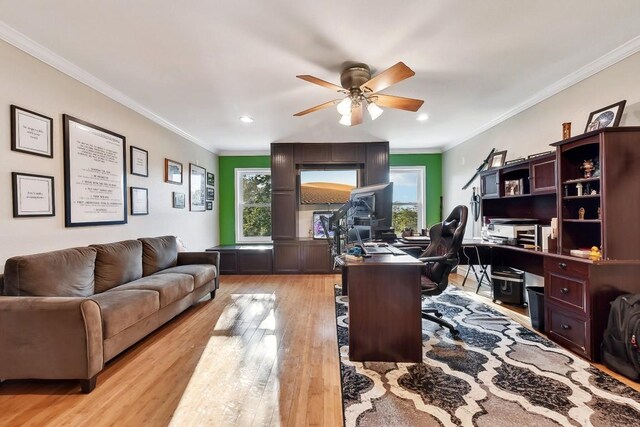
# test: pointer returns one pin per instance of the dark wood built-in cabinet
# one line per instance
(245, 259)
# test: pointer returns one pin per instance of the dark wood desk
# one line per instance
(385, 322)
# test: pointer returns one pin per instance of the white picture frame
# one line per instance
(197, 188)
(33, 195)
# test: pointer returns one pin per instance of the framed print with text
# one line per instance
(33, 195)
(31, 132)
(95, 179)
(197, 188)
(178, 200)
(139, 159)
(209, 206)
(139, 201)
(172, 171)
(211, 194)
(211, 179)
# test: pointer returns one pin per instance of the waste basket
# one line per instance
(536, 306)
(508, 285)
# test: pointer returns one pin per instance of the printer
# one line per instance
(512, 231)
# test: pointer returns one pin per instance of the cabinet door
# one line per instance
(313, 153)
(490, 184)
(377, 165)
(347, 153)
(254, 261)
(286, 257)
(228, 262)
(316, 257)
(542, 175)
(283, 215)
(283, 168)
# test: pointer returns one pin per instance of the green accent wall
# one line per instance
(226, 185)
(433, 166)
(227, 191)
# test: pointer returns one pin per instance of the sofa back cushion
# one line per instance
(117, 263)
(64, 273)
(158, 253)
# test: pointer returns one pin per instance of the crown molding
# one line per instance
(415, 151)
(244, 153)
(29, 46)
(616, 55)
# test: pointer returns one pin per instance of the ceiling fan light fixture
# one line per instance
(345, 120)
(374, 110)
(344, 106)
(246, 119)
(422, 117)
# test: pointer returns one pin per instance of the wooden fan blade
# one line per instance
(398, 102)
(388, 77)
(321, 82)
(317, 107)
(356, 115)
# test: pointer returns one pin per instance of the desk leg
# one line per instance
(345, 281)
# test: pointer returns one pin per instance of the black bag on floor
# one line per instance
(620, 351)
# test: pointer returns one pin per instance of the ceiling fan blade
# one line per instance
(317, 107)
(321, 82)
(398, 102)
(388, 77)
(356, 115)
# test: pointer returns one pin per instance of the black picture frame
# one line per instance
(497, 159)
(172, 169)
(97, 211)
(20, 180)
(139, 207)
(211, 194)
(197, 188)
(134, 155)
(608, 116)
(21, 131)
(211, 179)
(209, 206)
(179, 200)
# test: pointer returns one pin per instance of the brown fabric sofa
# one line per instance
(64, 314)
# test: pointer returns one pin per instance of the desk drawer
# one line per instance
(568, 290)
(569, 330)
(566, 267)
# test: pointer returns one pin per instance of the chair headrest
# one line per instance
(449, 228)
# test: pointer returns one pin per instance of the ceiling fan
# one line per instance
(362, 91)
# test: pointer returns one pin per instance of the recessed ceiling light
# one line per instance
(246, 119)
(422, 117)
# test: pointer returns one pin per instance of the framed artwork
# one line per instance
(95, 178)
(178, 200)
(497, 159)
(33, 195)
(197, 188)
(139, 201)
(139, 159)
(318, 228)
(172, 172)
(211, 179)
(605, 117)
(211, 194)
(31, 132)
(209, 206)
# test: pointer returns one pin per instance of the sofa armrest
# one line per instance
(209, 257)
(50, 338)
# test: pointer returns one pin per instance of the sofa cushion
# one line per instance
(171, 287)
(117, 263)
(201, 273)
(158, 253)
(64, 273)
(122, 309)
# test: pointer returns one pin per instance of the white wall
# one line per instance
(31, 84)
(532, 130)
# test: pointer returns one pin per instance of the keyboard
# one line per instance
(376, 250)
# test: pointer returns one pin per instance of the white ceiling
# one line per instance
(197, 65)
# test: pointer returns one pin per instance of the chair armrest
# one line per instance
(201, 258)
(429, 259)
(50, 338)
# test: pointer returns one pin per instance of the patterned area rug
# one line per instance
(497, 374)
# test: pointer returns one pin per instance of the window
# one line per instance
(253, 205)
(408, 197)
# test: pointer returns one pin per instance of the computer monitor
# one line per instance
(373, 202)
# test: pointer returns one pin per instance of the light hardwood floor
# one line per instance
(264, 352)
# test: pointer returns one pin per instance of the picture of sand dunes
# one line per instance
(324, 192)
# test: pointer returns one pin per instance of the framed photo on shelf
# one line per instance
(139, 159)
(178, 200)
(95, 174)
(33, 195)
(497, 159)
(139, 201)
(211, 194)
(197, 188)
(31, 132)
(513, 187)
(318, 229)
(211, 179)
(172, 172)
(209, 206)
(605, 117)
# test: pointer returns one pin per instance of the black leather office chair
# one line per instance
(440, 258)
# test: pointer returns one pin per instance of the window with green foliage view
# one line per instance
(253, 205)
(408, 198)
